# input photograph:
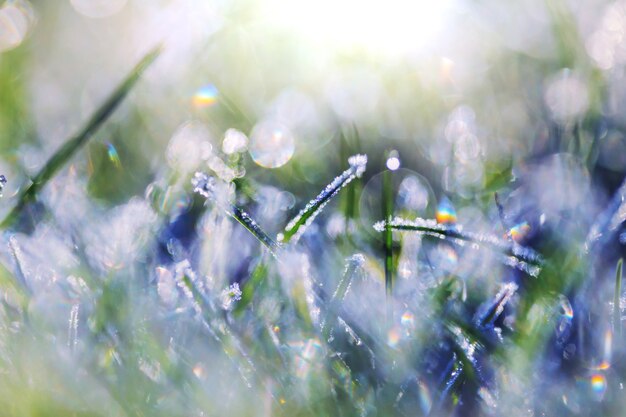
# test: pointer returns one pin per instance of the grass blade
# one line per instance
(74, 144)
(387, 201)
(298, 224)
(204, 185)
(519, 256)
(253, 227)
(617, 314)
(353, 264)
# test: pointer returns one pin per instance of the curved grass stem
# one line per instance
(74, 144)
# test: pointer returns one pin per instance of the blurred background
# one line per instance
(455, 99)
(462, 89)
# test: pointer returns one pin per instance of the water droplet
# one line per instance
(271, 144)
(393, 162)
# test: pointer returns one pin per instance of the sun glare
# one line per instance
(392, 26)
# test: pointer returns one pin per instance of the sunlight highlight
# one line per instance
(393, 26)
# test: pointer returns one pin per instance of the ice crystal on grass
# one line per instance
(517, 256)
(353, 264)
(72, 332)
(490, 312)
(203, 185)
(296, 227)
(230, 296)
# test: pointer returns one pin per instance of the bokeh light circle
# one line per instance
(412, 197)
(271, 144)
(98, 8)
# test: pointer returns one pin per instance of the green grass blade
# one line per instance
(257, 277)
(298, 224)
(617, 314)
(253, 227)
(74, 144)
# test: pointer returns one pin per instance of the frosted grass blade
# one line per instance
(253, 227)
(490, 314)
(73, 145)
(352, 265)
(204, 185)
(518, 256)
(609, 220)
(298, 224)
(186, 280)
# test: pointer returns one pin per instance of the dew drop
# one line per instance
(393, 162)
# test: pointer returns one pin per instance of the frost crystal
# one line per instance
(518, 256)
(358, 163)
(229, 296)
(188, 283)
(495, 308)
(203, 185)
(307, 215)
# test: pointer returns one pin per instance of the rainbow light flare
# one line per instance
(393, 337)
(426, 402)
(446, 214)
(604, 365)
(205, 96)
(407, 319)
(568, 311)
(113, 155)
(598, 384)
(519, 231)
